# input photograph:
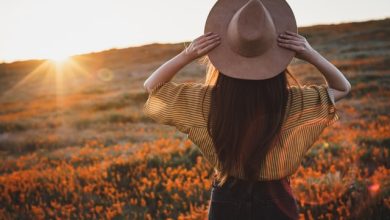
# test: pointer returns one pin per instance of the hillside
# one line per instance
(75, 144)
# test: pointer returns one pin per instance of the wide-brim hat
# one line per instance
(249, 31)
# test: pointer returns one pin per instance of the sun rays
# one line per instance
(57, 76)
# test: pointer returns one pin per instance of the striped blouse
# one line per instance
(180, 105)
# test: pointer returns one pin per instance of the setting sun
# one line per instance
(60, 58)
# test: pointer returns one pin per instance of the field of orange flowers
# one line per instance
(89, 153)
(168, 178)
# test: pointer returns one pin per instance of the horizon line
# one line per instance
(5, 61)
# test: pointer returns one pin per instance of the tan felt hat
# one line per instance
(249, 31)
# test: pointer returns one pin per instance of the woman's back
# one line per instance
(187, 105)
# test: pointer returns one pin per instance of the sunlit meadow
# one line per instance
(74, 142)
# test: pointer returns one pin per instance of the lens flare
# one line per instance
(105, 74)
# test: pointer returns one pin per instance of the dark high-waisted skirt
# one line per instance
(240, 199)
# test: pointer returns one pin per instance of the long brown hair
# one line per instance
(245, 120)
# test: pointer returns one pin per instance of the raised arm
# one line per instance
(199, 47)
(335, 79)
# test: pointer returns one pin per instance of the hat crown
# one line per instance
(248, 31)
(251, 30)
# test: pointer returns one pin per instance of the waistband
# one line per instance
(264, 189)
(233, 180)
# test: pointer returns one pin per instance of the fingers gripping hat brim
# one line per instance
(266, 65)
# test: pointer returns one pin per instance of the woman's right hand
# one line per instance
(297, 43)
(334, 77)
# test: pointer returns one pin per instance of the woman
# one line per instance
(247, 121)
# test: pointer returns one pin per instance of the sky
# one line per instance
(50, 29)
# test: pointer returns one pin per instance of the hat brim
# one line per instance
(267, 65)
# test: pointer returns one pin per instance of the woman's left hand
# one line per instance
(202, 45)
